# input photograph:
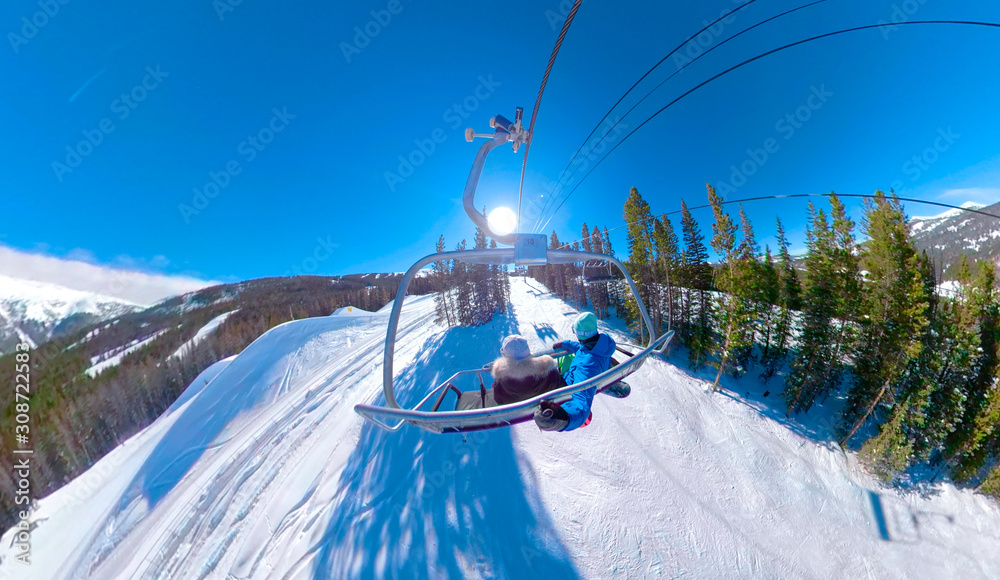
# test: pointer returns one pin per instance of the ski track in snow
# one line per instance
(263, 470)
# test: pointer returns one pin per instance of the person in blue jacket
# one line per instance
(591, 357)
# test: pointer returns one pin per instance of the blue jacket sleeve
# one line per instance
(578, 408)
(571, 345)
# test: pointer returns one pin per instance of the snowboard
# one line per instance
(618, 390)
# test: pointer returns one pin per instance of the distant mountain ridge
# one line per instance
(35, 312)
(948, 236)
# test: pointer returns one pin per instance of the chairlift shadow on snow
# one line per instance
(413, 504)
(534, 290)
(545, 332)
(899, 522)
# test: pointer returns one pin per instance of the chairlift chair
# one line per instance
(603, 272)
(475, 409)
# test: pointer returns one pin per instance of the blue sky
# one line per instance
(290, 120)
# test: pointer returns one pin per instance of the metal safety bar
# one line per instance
(498, 256)
(500, 415)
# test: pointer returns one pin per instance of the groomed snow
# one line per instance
(265, 471)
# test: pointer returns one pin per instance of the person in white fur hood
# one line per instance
(517, 375)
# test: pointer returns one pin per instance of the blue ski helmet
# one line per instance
(585, 325)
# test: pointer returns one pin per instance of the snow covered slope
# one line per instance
(32, 311)
(263, 470)
(927, 223)
(101, 363)
(955, 233)
(203, 332)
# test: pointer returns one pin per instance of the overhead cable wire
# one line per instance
(538, 102)
(562, 185)
(756, 58)
(643, 77)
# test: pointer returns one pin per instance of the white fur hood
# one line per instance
(520, 369)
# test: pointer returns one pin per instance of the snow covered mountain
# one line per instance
(262, 470)
(949, 235)
(34, 312)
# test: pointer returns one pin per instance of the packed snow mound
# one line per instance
(351, 311)
(263, 470)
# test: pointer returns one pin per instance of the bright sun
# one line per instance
(502, 221)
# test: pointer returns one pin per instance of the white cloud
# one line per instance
(983, 195)
(80, 255)
(80, 271)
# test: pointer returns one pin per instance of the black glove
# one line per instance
(557, 345)
(551, 416)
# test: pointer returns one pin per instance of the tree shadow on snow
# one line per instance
(818, 424)
(413, 504)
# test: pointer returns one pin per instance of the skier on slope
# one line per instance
(591, 357)
(518, 376)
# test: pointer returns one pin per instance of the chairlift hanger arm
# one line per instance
(505, 132)
(468, 197)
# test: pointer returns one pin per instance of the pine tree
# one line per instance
(480, 282)
(697, 334)
(667, 260)
(599, 290)
(464, 307)
(767, 295)
(615, 298)
(442, 308)
(730, 279)
(948, 364)
(940, 362)
(597, 241)
(751, 290)
(639, 227)
(578, 289)
(807, 375)
(558, 274)
(991, 484)
(847, 276)
(980, 415)
(500, 286)
(585, 239)
(894, 311)
(791, 288)
(787, 299)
